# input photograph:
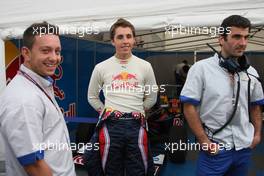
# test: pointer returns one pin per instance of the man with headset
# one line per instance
(222, 98)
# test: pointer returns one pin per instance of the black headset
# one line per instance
(233, 66)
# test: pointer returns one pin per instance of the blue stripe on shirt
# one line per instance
(259, 102)
(31, 158)
(192, 101)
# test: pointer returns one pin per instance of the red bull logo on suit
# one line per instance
(124, 76)
(124, 80)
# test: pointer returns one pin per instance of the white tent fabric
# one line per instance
(16, 15)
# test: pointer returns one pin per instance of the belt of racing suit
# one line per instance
(109, 113)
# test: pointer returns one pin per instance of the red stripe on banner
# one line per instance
(72, 109)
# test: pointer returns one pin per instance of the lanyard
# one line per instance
(34, 82)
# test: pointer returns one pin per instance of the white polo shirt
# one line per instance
(210, 88)
(33, 128)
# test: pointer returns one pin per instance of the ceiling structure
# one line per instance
(160, 40)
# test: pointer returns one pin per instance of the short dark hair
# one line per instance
(235, 21)
(121, 23)
(38, 29)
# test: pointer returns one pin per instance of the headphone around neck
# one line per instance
(232, 65)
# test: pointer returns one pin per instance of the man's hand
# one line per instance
(256, 141)
(195, 124)
(256, 120)
(211, 148)
(40, 168)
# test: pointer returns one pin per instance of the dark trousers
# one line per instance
(123, 150)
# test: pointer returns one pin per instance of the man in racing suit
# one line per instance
(129, 85)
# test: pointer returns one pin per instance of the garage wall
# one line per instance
(164, 64)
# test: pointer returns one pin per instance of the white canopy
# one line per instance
(16, 15)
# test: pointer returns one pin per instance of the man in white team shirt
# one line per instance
(222, 104)
(33, 127)
(127, 82)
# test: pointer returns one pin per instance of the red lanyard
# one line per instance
(34, 82)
